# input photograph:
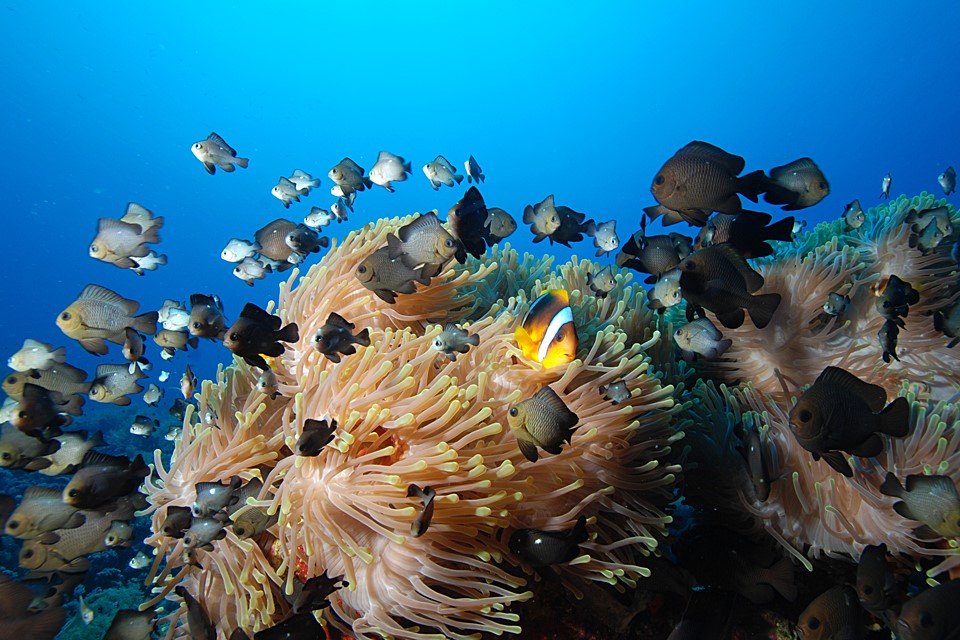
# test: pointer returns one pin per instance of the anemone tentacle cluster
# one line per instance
(812, 509)
(408, 415)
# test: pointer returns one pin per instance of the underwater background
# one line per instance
(102, 101)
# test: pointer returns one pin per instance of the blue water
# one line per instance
(102, 101)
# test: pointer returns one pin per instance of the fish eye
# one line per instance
(239, 530)
(73, 493)
(65, 315)
(659, 179)
(198, 146)
(514, 412)
(196, 325)
(823, 185)
(94, 248)
(926, 620)
(558, 337)
(448, 243)
(22, 414)
(678, 332)
(813, 623)
(13, 524)
(868, 589)
(28, 553)
(362, 269)
(555, 219)
(804, 415)
(438, 343)
(234, 337)
(6, 455)
(12, 380)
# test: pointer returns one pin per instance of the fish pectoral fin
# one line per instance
(902, 508)
(838, 461)
(95, 346)
(554, 449)
(210, 167)
(528, 449)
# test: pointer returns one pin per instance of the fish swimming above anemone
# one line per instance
(547, 334)
(700, 179)
(100, 315)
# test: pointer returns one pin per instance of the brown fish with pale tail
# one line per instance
(842, 413)
(272, 239)
(133, 348)
(700, 179)
(18, 619)
(257, 333)
(99, 314)
(20, 451)
(215, 152)
(73, 446)
(720, 280)
(68, 380)
(38, 410)
(206, 317)
(386, 277)
(423, 243)
(499, 223)
(542, 420)
(118, 242)
(102, 478)
(655, 255)
(114, 382)
(336, 338)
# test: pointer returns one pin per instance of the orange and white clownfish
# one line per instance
(547, 334)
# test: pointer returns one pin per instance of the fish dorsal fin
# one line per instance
(734, 164)
(300, 173)
(547, 202)
(102, 294)
(95, 458)
(752, 279)
(200, 299)
(66, 372)
(42, 493)
(801, 165)
(258, 315)
(708, 327)
(426, 221)
(216, 139)
(108, 225)
(105, 370)
(141, 217)
(349, 165)
(339, 321)
(874, 396)
(553, 403)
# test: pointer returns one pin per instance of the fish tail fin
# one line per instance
(290, 333)
(162, 259)
(775, 194)
(895, 418)
(891, 486)
(59, 355)
(781, 577)
(243, 162)
(782, 230)
(753, 184)
(193, 342)
(146, 322)
(73, 405)
(474, 340)
(97, 440)
(458, 178)
(138, 466)
(363, 338)
(406, 167)
(762, 309)
(482, 178)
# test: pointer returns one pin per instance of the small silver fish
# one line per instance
(604, 236)
(701, 337)
(143, 426)
(250, 270)
(203, 532)
(474, 172)
(86, 613)
(215, 152)
(164, 376)
(214, 497)
(303, 181)
(173, 315)
(140, 561)
(153, 394)
(616, 392)
(602, 282)
(887, 181)
(237, 249)
(339, 210)
(149, 262)
(835, 304)
(453, 340)
(173, 432)
(853, 215)
(119, 534)
(36, 355)
(928, 239)
(439, 172)
(389, 168)
(318, 218)
(267, 383)
(286, 191)
(948, 180)
(666, 292)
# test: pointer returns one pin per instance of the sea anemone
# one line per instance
(408, 415)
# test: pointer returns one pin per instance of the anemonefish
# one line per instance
(547, 334)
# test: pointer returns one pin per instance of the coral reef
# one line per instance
(406, 415)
